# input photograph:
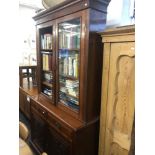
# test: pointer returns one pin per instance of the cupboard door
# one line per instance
(39, 131)
(120, 106)
(46, 60)
(69, 34)
(56, 145)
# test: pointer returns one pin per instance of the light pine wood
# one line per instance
(129, 37)
(104, 97)
(117, 107)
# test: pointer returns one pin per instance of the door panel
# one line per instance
(120, 107)
(69, 53)
(46, 58)
(56, 145)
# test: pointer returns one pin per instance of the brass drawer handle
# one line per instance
(41, 111)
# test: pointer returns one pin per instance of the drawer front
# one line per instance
(39, 110)
(55, 123)
(59, 126)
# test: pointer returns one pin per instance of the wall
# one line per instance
(27, 35)
(120, 13)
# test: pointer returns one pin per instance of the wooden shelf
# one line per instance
(48, 71)
(47, 84)
(46, 50)
(68, 77)
(47, 95)
(76, 97)
(70, 49)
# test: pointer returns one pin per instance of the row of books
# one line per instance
(48, 92)
(72, 83)
(48, 77)
(47, 61)
(69, 38)
(46, 41)
(69, 101)
(66, 52)
(69, 65)
(73, 92)
(70, 87)
(70, 104)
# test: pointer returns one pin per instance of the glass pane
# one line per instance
(46, 59)
(69, 34)
(47, 74)
(46, 41)
(69, 50)
(47, 83)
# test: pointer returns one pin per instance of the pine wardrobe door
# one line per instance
(120, 106)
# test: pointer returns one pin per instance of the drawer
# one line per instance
(59, 126)
(33, 104)
(39, 110)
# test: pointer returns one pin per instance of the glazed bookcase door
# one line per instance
(46, 56)
(69, 33)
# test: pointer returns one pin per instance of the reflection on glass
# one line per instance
(46, 35)
(69, 34)
(47, 76)
(46, 41)
(69, 50)
(47, 83)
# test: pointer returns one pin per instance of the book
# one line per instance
(50, 62)
(75, 66)
(70, 66)
(65, 72)
(48, 77)
(43, 61)
(46, 41)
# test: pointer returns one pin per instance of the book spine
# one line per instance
(42, 42)
(63, 40)
(47, 62)
(50, 62)
(43, 61)
(45, 41)
(70, 66)
(65, 66)
(71, 38)
(51, 42)
(75, 66)
(68, 41)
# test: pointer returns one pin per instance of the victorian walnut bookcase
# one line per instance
(65, 113)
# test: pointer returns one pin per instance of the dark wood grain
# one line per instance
(73, 7)
(75, 131)
(25, 92)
